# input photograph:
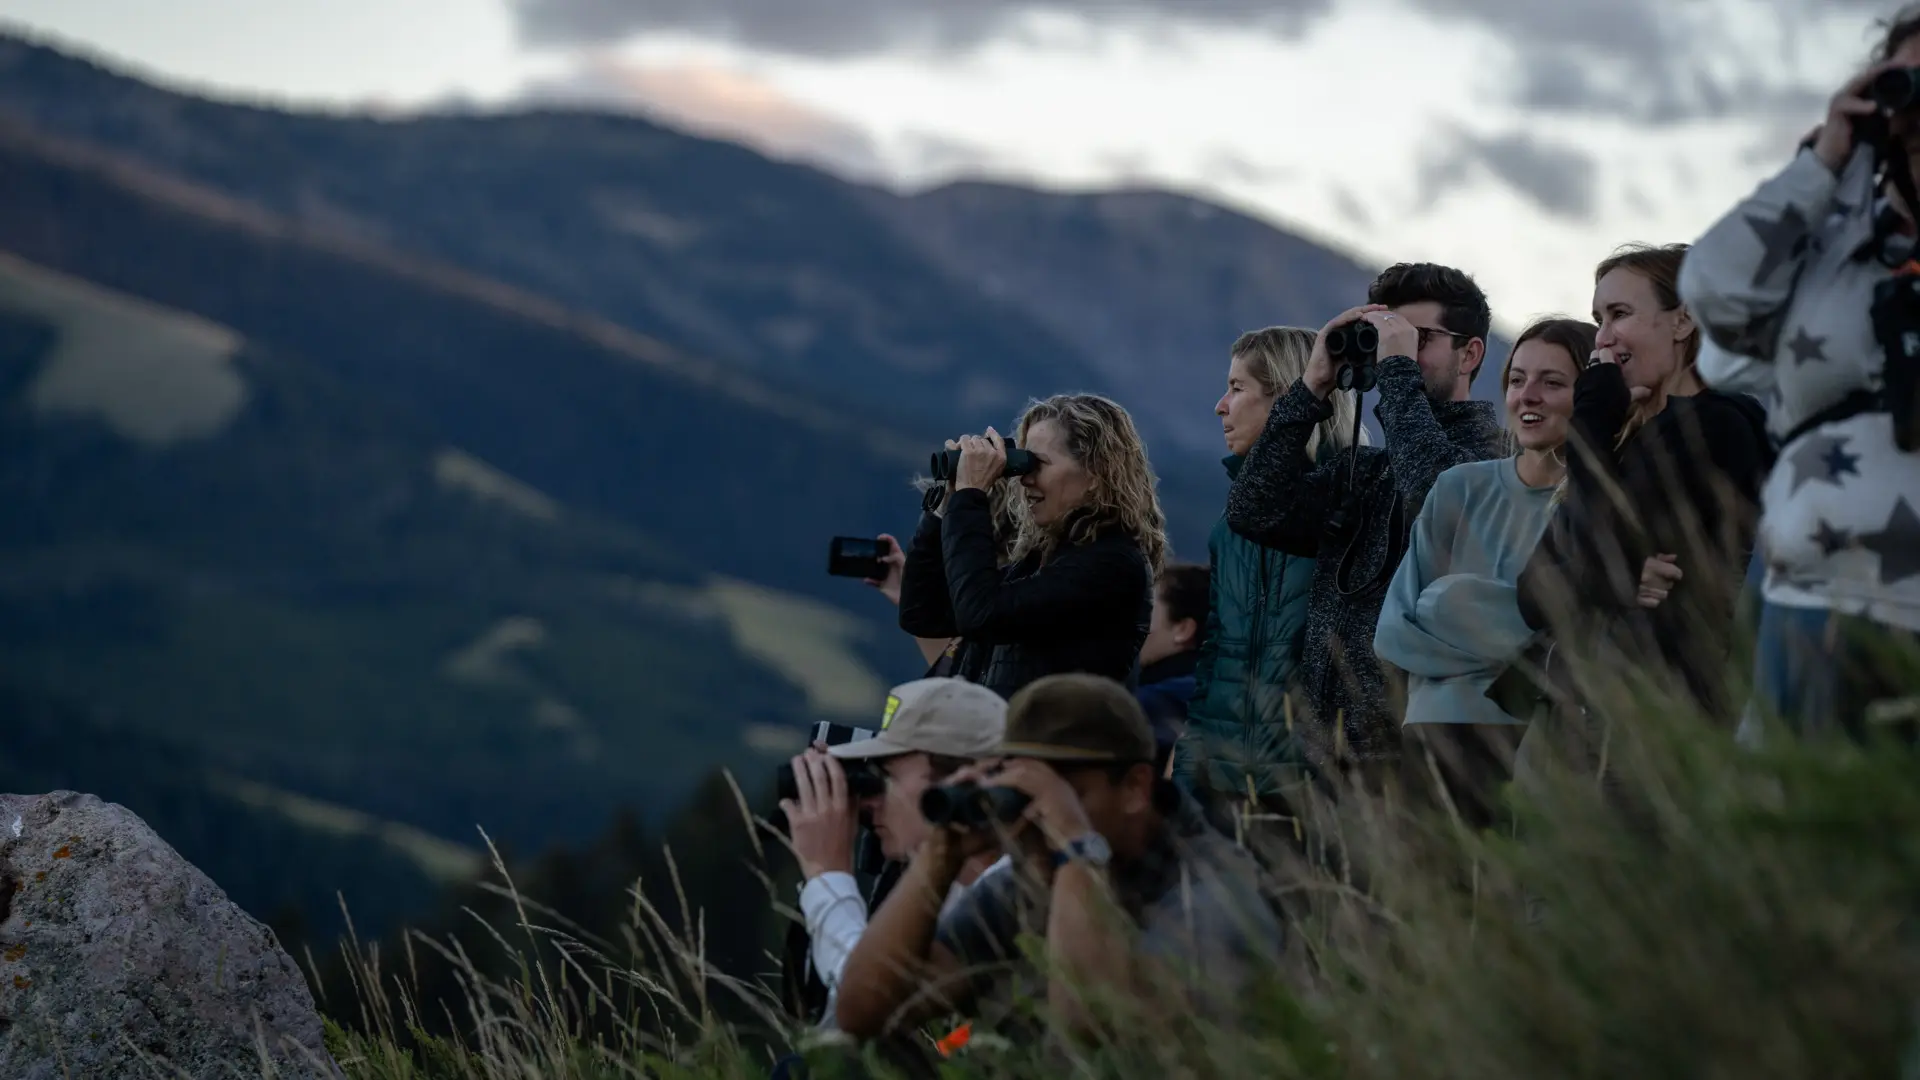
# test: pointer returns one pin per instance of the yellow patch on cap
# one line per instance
(893, 706)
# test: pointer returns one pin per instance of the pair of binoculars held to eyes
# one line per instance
(946, 464)
(970, 806)
(1354, 349)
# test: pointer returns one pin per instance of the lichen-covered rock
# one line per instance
(119, 959)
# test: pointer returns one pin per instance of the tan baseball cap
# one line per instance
(950, 717)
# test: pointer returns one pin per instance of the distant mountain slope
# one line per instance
(775, 269)
(1150, 287)
(337, 588)
(929, 314)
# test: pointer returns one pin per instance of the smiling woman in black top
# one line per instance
(1645, 555)
(1079, 593)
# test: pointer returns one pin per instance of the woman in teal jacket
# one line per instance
(1237, 735)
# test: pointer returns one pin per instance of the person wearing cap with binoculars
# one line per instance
(1132, 892)
(931, 728)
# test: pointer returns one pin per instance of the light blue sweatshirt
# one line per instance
(1451, 620)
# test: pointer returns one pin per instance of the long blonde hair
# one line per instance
(1101, 437)
(1276, 357)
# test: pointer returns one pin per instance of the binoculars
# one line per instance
(1353, 347)
(970, 806)
(1019, 463)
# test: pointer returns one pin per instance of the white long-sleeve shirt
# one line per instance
(836, 916)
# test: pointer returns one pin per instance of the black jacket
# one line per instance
(1086, 610)
(1687, 483)
(1283, 499)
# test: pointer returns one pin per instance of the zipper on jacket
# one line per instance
(1250, 681)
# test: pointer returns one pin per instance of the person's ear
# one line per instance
(1476, 355)
(1683, 327)
(1185, 632)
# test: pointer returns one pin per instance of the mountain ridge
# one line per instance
(543, 423)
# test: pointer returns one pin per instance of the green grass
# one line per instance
(1710, 912)
(366, 714)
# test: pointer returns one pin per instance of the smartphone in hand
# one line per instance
(857, 557)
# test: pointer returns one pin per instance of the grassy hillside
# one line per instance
(344, 623)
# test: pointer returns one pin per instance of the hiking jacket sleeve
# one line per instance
(925, 609)
(1081, 586)
(1281, 498)
(1738, 278)
(1441, 625)
(1418, 445)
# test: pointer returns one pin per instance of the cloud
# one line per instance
(1661, 62)
(717, 102)
(841, 28)
(1561, 179)
(1657, 90)
(1225, 163)
(1648, 61)
(1351, 208)
(930, 154)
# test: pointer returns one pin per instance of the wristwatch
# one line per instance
(1091, 849)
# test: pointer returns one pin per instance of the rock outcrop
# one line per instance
(119, 959)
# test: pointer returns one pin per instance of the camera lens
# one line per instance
(1895, 90)
(1366, 337)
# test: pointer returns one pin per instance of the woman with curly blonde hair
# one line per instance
(1090, 539)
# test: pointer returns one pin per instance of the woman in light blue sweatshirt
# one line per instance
(1451, 622)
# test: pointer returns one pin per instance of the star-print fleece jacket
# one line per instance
(1787, 278)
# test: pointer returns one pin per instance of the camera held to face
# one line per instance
(1354, 347)
(946, 464)
(1895, 90)
(1892, 92)
(970, 806)
(864, 779)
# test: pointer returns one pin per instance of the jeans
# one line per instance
(1817, 671)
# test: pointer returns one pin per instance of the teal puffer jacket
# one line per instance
(1237, 722)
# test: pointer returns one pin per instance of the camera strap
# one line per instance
(1854, 404)
(1897, 170)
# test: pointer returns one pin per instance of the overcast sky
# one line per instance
(1519, 139)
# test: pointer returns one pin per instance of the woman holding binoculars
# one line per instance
(1078, 593)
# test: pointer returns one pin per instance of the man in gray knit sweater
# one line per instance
(1352, 511)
